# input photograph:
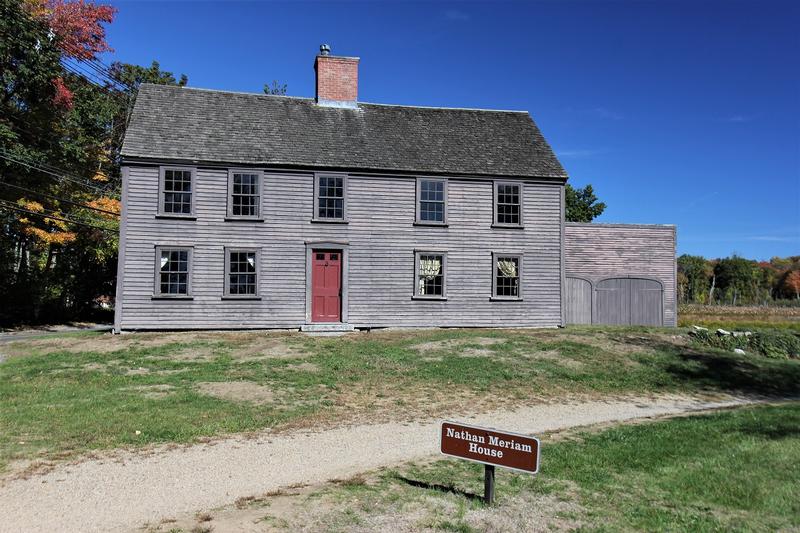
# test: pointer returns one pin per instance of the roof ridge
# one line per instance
(309, 99)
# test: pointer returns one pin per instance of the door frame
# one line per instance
(344, 247)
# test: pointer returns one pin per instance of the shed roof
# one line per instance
(181, 123)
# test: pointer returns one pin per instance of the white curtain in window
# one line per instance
(164, 260)
(430, 268)
(507, 268)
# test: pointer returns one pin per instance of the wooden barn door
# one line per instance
(579, 301)
(629, 301)
(326, 286)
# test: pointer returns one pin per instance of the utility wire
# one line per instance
(62, 219)
(4, 155)
(59, 199)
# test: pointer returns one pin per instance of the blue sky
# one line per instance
(685, 113)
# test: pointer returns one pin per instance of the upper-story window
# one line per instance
(431, 269)
(507, 276)
(244, 194)
(431, 201)
(329, 197)
(173, 266)
(508, 204)
(176, 191)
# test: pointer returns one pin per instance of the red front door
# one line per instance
(326, 285)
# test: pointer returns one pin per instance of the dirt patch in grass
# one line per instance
(462, 347)
(237, 391)
(161, 390)
(303, 367)
(261, 349)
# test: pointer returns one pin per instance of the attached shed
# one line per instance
(620, 274)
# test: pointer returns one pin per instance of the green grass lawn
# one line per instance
(71, 394)
(736, 470)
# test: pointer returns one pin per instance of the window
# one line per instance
(241, 273)
(330, 191)
(430, 275)
(507, 276)
(431, 201)
(176, 191)
(508, 204)
(172, 271)
(244, 194)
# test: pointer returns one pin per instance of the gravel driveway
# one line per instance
(127, 489)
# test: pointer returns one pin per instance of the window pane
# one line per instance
(174, 272)
(431, 201)
(242, 273)
(507, 276)
(177, 192)
(430, 275)
(245, 196)
(330, 197)
(508, 204)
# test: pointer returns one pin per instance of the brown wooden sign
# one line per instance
(490, 447)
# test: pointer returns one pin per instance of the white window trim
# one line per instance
(495, 223)
(193, 177)
(259, 216)
(315, 216)
(418, 221)
(415, 294)
(520, 270)
(227, 290)
(157, 294)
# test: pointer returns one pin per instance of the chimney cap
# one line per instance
(324, 50)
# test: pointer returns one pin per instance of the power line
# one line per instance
(4, 155)
(62, 219)
(59, 199)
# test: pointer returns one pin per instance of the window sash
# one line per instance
(244, 193)
(507, 276)
(173, 271)
(330, 201)
(176, 191)
(241, 272)
(431, 201)
(508, 204)
(430, 280)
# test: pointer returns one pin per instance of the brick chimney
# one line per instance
(337, 79)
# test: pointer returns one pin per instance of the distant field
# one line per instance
(729, 317)
(67, 395)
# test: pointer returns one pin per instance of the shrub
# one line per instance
(774, 344)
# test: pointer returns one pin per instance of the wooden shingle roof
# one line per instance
(186, 124)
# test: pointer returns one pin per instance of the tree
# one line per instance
(738, 278)
(582, 204)
(697, 272)
(60, 136)
(134, 75)
(792, 283)
(276, 88)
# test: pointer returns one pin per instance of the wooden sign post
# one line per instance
(490, 448)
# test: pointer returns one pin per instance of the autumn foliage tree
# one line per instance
(60, 134)
(792, 283)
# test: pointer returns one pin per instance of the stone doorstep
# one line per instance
(330, 328)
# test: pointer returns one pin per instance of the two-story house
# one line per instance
(263, 211)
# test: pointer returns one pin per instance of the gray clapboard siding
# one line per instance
(382, 238)
(597, 252)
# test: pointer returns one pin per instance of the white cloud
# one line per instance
(581, 152)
